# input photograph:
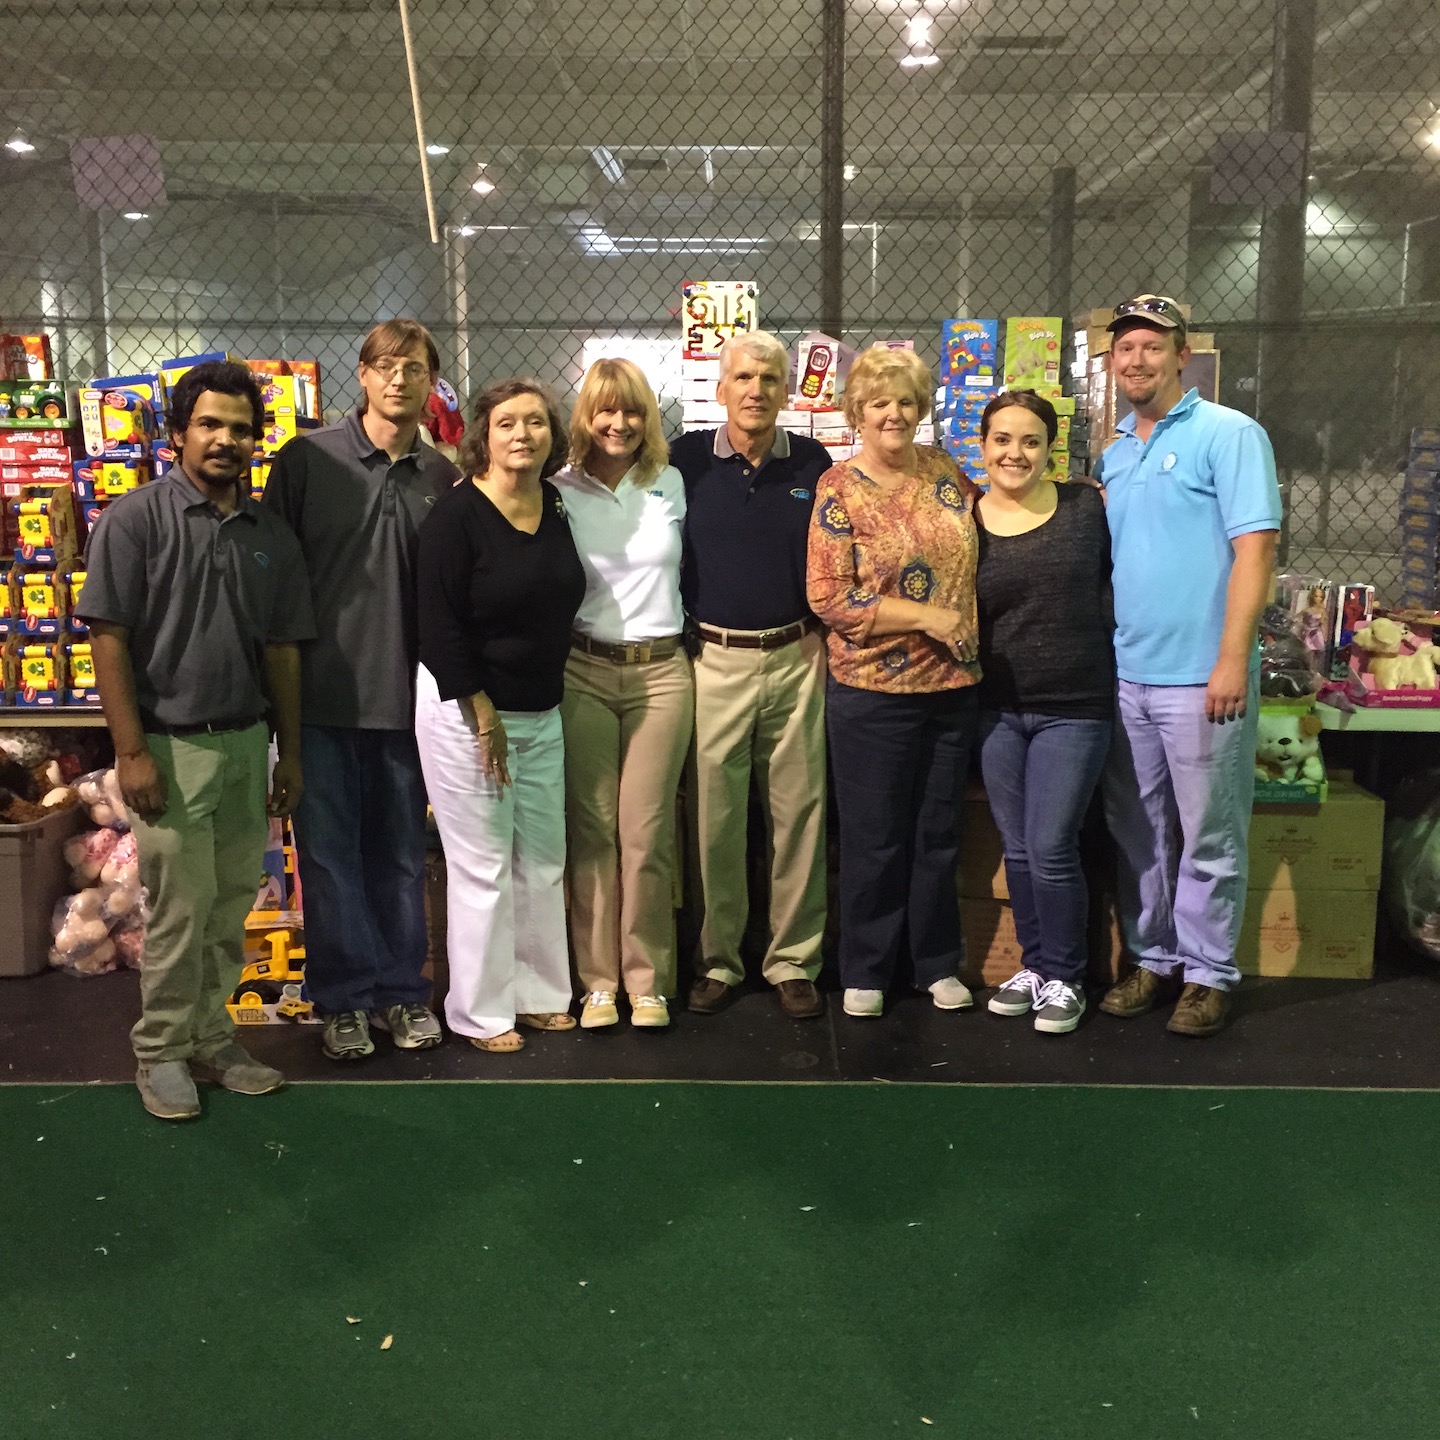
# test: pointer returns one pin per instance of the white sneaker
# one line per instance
(864, 1004)
(649, 1012)
(599, 1009)
(1019, 995)
(1058, 1007)
(951, 993)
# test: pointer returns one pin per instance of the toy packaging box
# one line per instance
(81, 688)
(1393, 661)
(34, 405)
(33, 673)
(967, 352)
(26, 357)
(817, 372)
(45, 524)
(39, 602)
(1289, 768)
(711, 311)
(1032, 354)
(125, 410)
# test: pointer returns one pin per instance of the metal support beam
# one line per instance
(832, 169)
(1062, 238)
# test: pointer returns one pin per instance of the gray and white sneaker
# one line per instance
(1019, 995)
(411, 1027)
(237, 1070)
(347, 1036)
(168, 1090)
(1058, 1007)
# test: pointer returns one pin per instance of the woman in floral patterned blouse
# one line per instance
(891, 572)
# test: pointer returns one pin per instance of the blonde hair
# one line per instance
(618, 385)
(895, 371)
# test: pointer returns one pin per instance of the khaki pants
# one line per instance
(200, 864)
(761, 710)
(627, 732)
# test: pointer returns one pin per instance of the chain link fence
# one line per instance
(243, 174)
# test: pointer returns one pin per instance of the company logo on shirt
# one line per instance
(1168, 463)
(801, 494)
(262, 559)
(658, 494)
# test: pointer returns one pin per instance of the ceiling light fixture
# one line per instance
(849, 172)
(482, 185)
(919, 59)
(137, 214)
(917, 32)
(17, 144)
(435, 148)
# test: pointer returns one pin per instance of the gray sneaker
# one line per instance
(1058, 1007)
(1018, 995)
(237, 1070)
(412, 1027)
(167, 1090)
(347, 1036)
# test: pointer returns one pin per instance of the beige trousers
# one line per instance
(627, 732)
(761, 711)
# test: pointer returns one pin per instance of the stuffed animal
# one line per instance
(86, 855)
(99, 791)
(1287, 668)
(1384, 641)
(1287, 747)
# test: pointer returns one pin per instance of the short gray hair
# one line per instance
(761, 344)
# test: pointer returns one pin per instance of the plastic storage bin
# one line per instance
(33, 876)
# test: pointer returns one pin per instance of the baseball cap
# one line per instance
(1158, 310)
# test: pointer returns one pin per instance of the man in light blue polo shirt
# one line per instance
(1194, 513)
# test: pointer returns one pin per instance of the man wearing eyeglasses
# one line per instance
(355, 493)
(1194, 511)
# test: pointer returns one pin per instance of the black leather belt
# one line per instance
(756, 639)
(635, 652)
(152, 726)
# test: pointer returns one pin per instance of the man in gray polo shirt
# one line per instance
(355, 493)
(196, 599)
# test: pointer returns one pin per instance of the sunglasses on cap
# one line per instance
(1160, 306)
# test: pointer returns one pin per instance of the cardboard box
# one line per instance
(26, 357)
(967, 352)
(1320, 934)
(34, 672)
(1032, 352)
(46, 531)
(1334, 846)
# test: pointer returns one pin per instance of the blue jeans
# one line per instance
(1178, 792)
(900, 764)
(360, 833)
(1040, 774)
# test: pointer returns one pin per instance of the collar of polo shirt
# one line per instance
(724, 450)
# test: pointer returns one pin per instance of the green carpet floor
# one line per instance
(690, 1261)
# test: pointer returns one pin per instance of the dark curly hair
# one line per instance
(475, 447)
(221, 377)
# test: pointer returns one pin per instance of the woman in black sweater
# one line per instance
(499, 582)
(1047, 695)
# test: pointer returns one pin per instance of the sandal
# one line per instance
(506, 1044)
(550, 1021)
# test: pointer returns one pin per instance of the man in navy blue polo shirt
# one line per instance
(759, 676)
(1194, 512)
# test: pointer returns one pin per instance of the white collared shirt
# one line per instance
(629, 544)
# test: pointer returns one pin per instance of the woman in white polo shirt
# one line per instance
(629, 701)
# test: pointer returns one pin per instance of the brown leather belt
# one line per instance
(756, 639)
(152, 726)
(636, 652)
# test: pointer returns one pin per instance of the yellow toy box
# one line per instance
(45, 524)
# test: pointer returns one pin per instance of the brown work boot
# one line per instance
(1139, 991)
(1201, 1011)
(709, 997)
(799, 999)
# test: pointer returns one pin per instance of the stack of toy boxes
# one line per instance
(292, 404)
(35, 649)
(967, 384)
(711, 311)
(1420, 523)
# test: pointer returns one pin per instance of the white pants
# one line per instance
(504, 864)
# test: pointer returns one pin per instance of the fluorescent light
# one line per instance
(917, 32)
(609, 163)
(17, 144)
(849, 172)
(435, 148)
(137, 214)
(917, 59)
(466, 231)
(482, 186)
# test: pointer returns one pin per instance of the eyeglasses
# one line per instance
(410, 371)
(1161, 305)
